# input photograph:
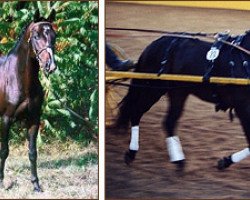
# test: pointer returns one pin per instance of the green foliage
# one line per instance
(74, 84)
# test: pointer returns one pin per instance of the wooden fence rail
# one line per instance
(113, 75)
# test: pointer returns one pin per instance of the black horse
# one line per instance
(21, 93)
(226, 57)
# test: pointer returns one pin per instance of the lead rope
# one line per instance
(86, 124)
(47, 86)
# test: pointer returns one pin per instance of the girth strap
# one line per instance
(213, 54)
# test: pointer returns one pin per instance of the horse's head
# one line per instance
(41, 38)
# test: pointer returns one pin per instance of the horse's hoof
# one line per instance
(38, 189)
(180, 164)
(224, 163)
(129, 156)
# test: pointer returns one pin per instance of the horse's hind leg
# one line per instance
(243, 112)
(4, 148)
(32, 136)
(176, 103)
(144, 101)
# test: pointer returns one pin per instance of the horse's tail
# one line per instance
(126, 105)
(124, 112)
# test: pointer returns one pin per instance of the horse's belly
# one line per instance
(206, 94)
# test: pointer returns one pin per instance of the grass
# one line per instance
(65, 171)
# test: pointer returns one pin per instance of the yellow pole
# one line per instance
(113, 75)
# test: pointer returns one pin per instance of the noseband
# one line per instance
(37, 53)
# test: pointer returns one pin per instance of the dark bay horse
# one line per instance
(189, 56)
(21, 93)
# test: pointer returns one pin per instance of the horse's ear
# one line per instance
(52, 16)
(37, 16)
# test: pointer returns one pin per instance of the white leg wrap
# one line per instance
(237, 157)
(134, 141)
(174, 149)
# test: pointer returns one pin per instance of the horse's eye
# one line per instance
(46, 32)
(36, 37)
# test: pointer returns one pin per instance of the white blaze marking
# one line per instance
(134, 141)
(174, 149)
(237, 157)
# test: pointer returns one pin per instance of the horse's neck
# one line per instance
(27, 67)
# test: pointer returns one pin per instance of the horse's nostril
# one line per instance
(52, 70)
(47, 65)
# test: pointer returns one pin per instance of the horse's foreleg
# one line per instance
(174, 147)
(32, 136)
(243, 112)
(4, 148)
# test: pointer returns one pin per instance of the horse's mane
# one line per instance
(19, 39)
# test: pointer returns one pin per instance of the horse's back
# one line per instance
(180, 55)
(151, 57)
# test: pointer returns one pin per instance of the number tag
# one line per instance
(213, 53)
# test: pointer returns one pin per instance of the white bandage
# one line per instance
(237, 157)
(174, 149)
(134, 141)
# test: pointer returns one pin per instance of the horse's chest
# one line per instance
(14, 97)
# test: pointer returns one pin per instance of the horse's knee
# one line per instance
(4, 153)
(32, 156)
(173, 116)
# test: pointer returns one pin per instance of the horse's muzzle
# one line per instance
(50, 67)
